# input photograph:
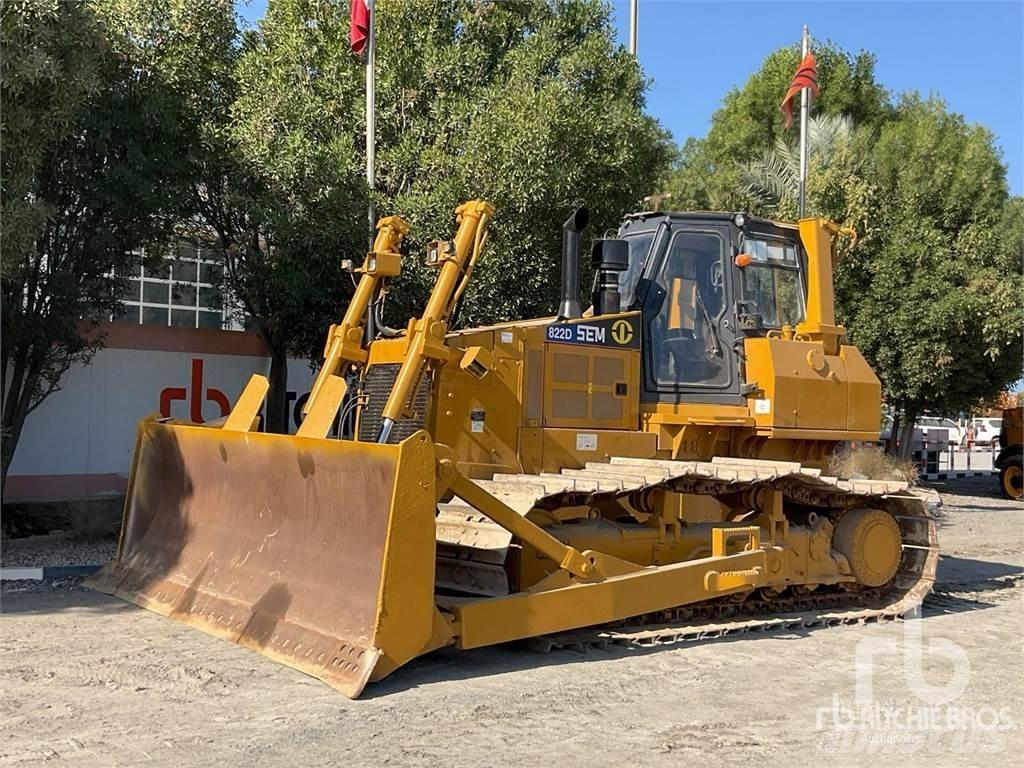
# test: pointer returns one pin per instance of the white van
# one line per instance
(986, 432)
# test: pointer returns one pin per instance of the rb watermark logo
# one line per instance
(929, 719)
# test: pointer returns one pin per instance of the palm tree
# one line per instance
(774, 177)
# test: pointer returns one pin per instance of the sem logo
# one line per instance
(622, 331)
(170, 394)
(590, 334)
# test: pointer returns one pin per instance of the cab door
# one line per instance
(689, 333)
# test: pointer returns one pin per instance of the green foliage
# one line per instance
(51, 66)
(531, 105)
(92, 168)
(932, 294)
(124, 119)
(282, 190)
(772, 181)
(749, 121)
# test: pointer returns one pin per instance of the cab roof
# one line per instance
(705, 216)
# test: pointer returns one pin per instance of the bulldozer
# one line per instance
(658, 459)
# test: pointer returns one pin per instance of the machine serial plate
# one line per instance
(613, 332)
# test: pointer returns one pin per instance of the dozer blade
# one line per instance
(316, 553)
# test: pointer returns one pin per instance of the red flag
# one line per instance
(359, 25)
(806, 77)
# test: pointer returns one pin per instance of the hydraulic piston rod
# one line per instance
(426, 336)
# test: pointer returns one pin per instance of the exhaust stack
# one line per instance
(609, 258)
(570, 307)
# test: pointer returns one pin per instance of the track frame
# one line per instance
(611, 590)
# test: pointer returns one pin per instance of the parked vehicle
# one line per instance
(986, 432)
(510, 482)
(956, 433)
(929, 429)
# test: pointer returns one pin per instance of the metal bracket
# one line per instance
(720, 538)
(770, 503)
(568, 558)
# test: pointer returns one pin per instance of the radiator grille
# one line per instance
(379, 381)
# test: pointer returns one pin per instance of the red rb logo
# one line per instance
(169, 394)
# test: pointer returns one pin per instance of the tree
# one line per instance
(709, 174)
(532, 105)
(529, 104)
(279, 189)
(92, 169)
(932, 294)
(772, 181)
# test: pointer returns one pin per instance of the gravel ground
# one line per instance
(42, 586)
(87, 680)
(55, 548)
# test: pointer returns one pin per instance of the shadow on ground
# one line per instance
(979, 575)
(986, 487)
(963, 585)
(20, 598)
(450, 664)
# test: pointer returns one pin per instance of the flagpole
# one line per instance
(634, 14)
(805, 101)
(371, 118)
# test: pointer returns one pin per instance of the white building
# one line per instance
(166, 353)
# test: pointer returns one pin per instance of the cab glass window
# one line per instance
(771, 282)
(686, 347)
(639, 247)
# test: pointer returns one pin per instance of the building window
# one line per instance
(184, 290)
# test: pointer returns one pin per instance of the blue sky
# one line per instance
(970, 53)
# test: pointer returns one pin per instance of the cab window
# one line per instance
(686, 348)
(639, 247)
(772, 282)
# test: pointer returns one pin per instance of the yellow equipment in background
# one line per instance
(1010, 461)
(658, 457)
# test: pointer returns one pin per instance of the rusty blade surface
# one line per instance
(274, 542)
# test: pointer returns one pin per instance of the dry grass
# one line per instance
(871, 463)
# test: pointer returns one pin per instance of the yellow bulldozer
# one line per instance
(655, 459)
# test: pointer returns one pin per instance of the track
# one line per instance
(472, 550)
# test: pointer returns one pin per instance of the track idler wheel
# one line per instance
(1011, 479)
(870, 541)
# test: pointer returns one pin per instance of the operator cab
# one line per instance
(699, 301)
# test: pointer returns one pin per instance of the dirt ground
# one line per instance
(87, 680)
